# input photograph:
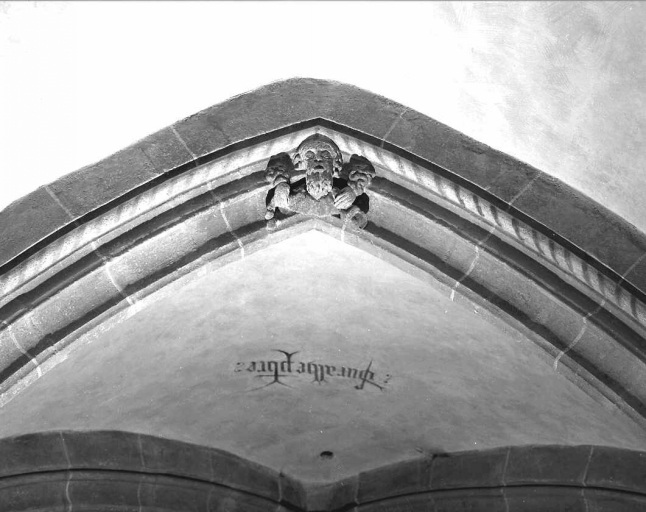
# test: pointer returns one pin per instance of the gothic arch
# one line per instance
(96, 246)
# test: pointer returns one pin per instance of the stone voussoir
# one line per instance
(345, 105)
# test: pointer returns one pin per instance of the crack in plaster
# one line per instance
(179, 138)
(392, 127)
(13, 338)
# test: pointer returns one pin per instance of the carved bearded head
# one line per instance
(278, 169)
(321, 160)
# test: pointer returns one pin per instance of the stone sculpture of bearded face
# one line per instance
(321, 159)
(279, 169)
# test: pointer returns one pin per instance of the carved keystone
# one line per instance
(317, 183)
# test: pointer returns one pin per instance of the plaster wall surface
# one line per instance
(183, 369)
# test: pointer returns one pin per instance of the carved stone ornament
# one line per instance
(317, 183)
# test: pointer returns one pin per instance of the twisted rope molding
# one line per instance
(546, 249)
(172, 191)
(85, 237)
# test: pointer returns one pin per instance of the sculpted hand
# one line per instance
(344, 199)
(280, 200)
(281, 195)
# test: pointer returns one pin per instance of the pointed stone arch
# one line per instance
(97, 246)
(104, 261)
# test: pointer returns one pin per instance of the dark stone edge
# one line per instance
(320, 102)
(578, 467)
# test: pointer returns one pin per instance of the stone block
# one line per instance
(637, 274)
(10, 354)
(34, 493)
(564, 210)
(608, 501)
(614, 468)
(84, 297)
(331, 496)
(469, 469)
(176, 458)
(244, 475)
(27, 221)
(415, 503)
(545, 499)
(104, 450)
(201, 134)
(558, 465)
(220, 499)
(165, 150)
(438, 143)
(248, 212)
(108, 490)
(274, 106)
(32, 452)
(376, 116)
(293, 491)
(470, 500)
(172, 494)
(162, 252)
(92, 187)
(395, 479)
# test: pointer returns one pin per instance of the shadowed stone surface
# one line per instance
(153, 480)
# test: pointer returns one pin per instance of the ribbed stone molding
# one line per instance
(99, 244)
(112, 470)
(281, 106)
(614, 290)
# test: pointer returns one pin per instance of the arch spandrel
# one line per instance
(491, 249)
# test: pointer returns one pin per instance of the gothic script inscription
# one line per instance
(279, 372)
